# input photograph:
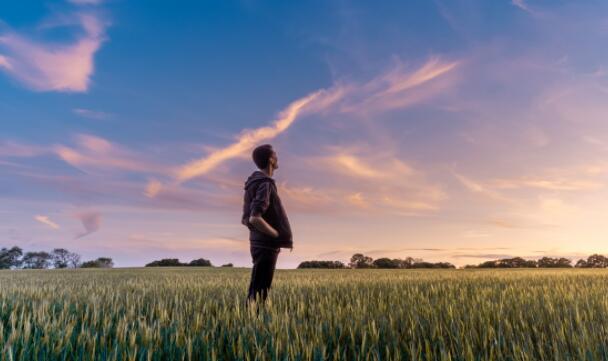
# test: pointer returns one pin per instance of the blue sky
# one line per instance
(446, 130)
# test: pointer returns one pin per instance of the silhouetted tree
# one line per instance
(408, 262)
(101, 262)
(227, 265)
(166, 262)
(432, 265)
(359, 260)
(548, 262)
(62, 258)
(201, 262)
(516, 262)
(593, 261)
(322, 264)
(36, 260)
(386, 263)
(581, 263)
(10, 258)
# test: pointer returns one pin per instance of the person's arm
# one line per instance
(259, 205)
(261, 225)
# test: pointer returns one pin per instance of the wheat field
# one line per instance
(199, 314)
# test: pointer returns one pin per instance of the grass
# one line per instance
(199, 314)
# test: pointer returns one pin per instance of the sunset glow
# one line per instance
(442, 130)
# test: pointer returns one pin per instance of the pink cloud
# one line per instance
(95, 152)
(15, 149)
(46, 221)
(249, 138)
(390, 90)
(91, 221)
(51, 66)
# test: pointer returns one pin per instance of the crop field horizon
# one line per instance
(200, 314)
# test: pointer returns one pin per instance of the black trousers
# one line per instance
(264, 262)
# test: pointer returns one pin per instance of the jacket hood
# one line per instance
(256, 177)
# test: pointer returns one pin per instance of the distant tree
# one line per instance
(201, 262)
(37, 260)
(227, 265)
(62, 258)
(386, 263)
(105, 262)
(166, 262)
(488, 264)
(73, 260)
(408, 262)
(516, 262)
(563, 262)
(10, 258)
(593, 261)
(101, 262)
(322, 264)
(423, 264)
(581, 263)
(359, 260)
(548, 262)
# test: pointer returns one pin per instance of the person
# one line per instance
(264, 215)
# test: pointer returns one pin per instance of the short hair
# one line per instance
(261, 155)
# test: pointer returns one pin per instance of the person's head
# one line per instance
(264, 157)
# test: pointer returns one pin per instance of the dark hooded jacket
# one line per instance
(261, 197)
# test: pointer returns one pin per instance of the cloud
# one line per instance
(358, 179)
(306, 198)
(522, 5)
(47, 66)
(86, 2)
(153, 188)
(91, 221)
(145, 242)
(389, 90)
(15, 149)
(91, 114)
(45, 220)
(480, 188)
(552, 183)
(398, 87)
(248, 139)
(484, 255)
(94, 152)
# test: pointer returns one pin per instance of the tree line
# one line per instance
(15, 258)
(174, 262)
(593, 261)
(359, 260)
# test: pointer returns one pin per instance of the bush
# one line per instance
(101, 262)
(322, 264)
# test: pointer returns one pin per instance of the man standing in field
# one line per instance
(264, 215)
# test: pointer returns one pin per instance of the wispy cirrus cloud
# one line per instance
(91, 221)
(521, 4)
(359, 178)
(390, 90)
(10, 148)
(46, 221)
(93, 152)
(250, 138)
(91, 114)
(86, 2)
(52, 66)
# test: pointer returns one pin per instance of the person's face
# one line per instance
(274, 161)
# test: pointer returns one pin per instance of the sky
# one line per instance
(456, 131)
